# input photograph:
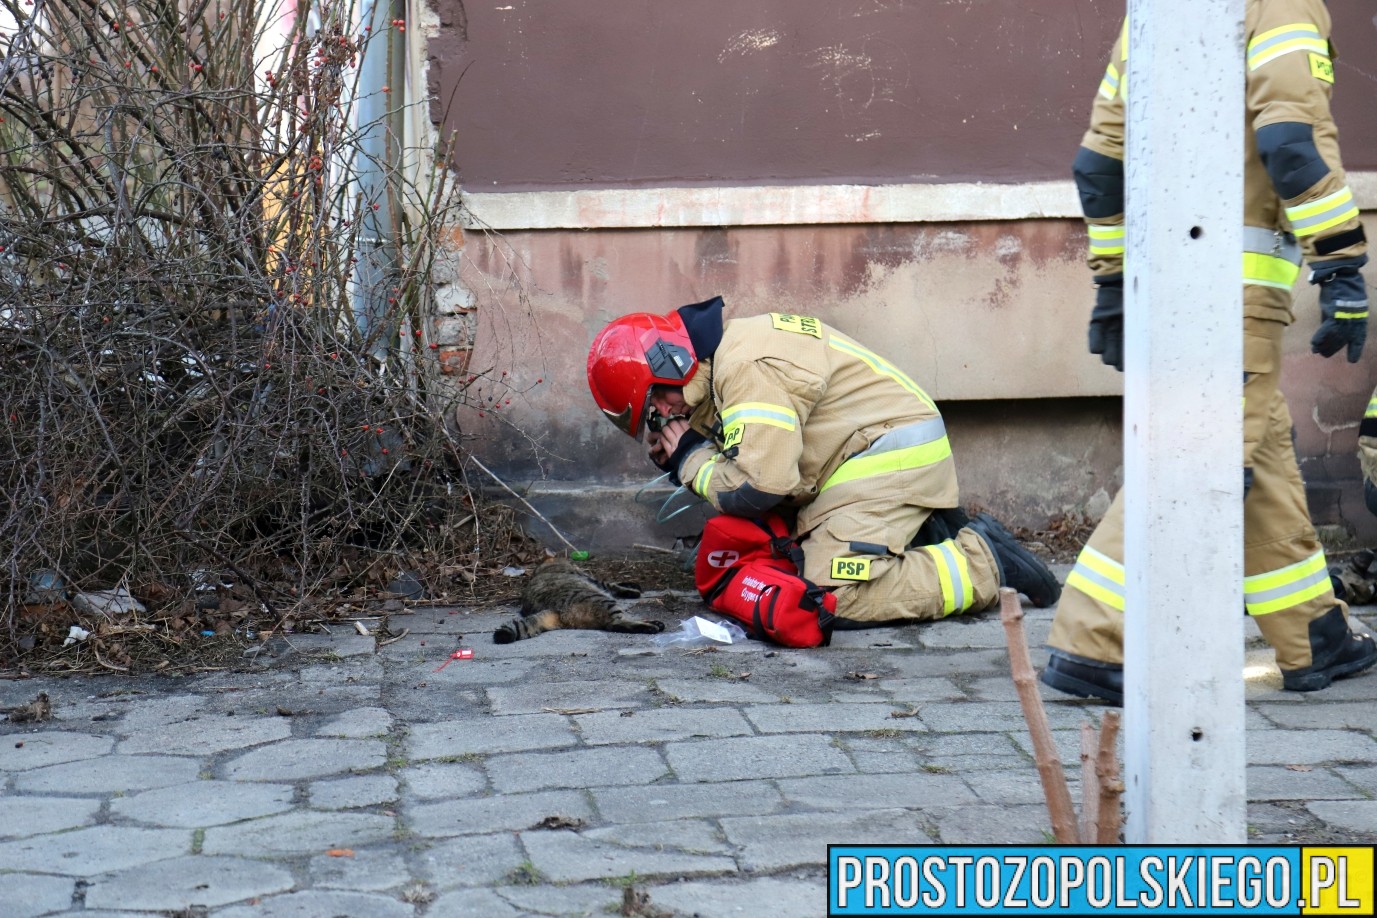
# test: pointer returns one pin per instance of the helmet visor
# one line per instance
(629, 422)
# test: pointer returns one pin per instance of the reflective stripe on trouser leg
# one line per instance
(918, 585)
(1089, 621)
(1286, 582)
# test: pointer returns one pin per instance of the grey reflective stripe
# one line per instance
(958, 586)
(1089, 573)
(1271, 242)
(1286, 589)
(929, 431)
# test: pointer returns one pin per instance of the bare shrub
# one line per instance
(201, 381)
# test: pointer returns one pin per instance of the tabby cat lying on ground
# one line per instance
(559, 595)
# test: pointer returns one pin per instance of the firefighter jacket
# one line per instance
(1297, 202)
(799, 413)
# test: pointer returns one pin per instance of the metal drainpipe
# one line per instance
(378, 155)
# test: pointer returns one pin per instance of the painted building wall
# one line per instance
(601, 93)
(896, 168)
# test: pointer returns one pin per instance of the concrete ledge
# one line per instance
(607, 517)
(783, 205)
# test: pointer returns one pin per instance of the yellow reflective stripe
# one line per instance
(1328, 211)
(1351, 315)
(1371, 408)
(953, 575)
(700, 481)
(1106, 239)
(1098, 576)
(881, 366)
(1269, 271)
(1109, 86)
(1286, 587)
(896, 460)
(780, 416)
(1272, 44)
(943, 579)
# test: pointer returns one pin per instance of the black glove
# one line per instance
(687, 443)
(1107, 322)
(1343, 304)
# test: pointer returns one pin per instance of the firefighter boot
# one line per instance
(1085, 678)
(1336, 653)
(1019, 569)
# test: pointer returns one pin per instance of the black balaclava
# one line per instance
(703, 321)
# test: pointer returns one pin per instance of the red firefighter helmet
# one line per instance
(632, 354)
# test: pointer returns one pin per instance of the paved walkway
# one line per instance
(542, 778)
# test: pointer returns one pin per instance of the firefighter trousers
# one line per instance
(855, 545)
(1286, 579)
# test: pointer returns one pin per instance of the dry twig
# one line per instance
(1059, 805)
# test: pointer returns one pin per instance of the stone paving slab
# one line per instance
(993, 825)
(30, 895)
(677, 801)
(317, 903)
(512, 812)
(660, 725)
(91, 852)
(473, 903)
(352, 793)
(183, 882)
(26, 816)
(358, 723)
(769, 843)
(109, 774)
(546, 696)
(716, 691)
(830, 718)
(474, 860)
(366, 870)
(298, 832)
(585, 900)
(1309, 747)
(565, 857)
(293, 760)
(739, 758)
(727, 899)
(1301, 782)
(435, 780)
(695, 836)
(529, 771)
(203, 803)
(40, 749)
(537, 777)
(204, 735)
(1353, 815)
(516, 734)
(847, 792)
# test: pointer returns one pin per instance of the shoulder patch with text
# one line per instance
(1321, 68)
(850, 568)
(733, 436)
(799, 325)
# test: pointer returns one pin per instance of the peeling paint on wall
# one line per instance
(749, 43)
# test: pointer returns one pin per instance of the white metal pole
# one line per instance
(1183, 424)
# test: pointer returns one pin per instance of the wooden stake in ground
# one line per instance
(1110, 817)
(1090, 783)
(1059, 805)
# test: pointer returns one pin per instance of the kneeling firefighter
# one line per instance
(782, 413)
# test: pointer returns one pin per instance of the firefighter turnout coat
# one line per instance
(802, 418)
(1297, 207)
